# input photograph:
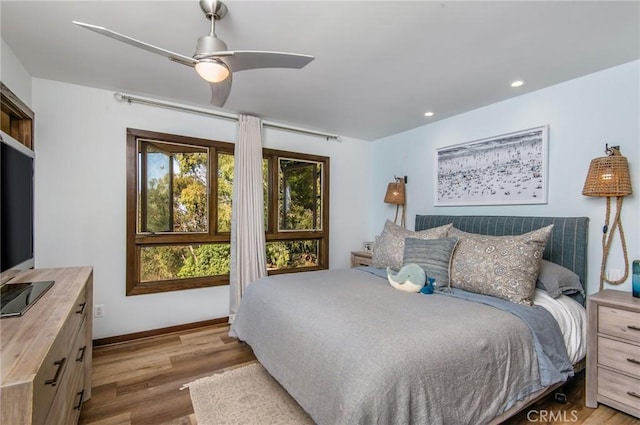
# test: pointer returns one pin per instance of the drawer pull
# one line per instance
(83, 350)
(634, 361)
(81, 394)
(633, 394)
(60, 363)
(82, 306)
(633, 328)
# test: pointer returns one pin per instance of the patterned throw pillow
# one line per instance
(433, 255)
(389, 247)
(501, 266)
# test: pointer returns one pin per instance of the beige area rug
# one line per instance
(247, 395)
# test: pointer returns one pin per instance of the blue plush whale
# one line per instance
(410, 278)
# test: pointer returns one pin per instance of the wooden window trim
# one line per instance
(136, 241)
(272, 232)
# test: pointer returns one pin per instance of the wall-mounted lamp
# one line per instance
(396, 195)
(608, 176)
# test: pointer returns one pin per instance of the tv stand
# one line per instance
(45, 363)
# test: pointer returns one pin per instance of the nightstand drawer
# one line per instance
(618, 387)
(619, 355)
(613, 350)
(361, 258)
(619, 323)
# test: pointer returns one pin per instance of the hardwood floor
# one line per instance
(138, 383)
(549, 411)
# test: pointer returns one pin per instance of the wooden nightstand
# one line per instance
(613, 351)
(360, 258)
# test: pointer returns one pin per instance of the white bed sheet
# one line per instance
(572, 318)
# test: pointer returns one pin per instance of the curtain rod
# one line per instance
(121, 97)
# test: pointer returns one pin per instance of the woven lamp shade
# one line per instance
(395, 194)
(608, 176)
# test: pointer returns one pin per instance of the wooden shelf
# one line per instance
(16, 117)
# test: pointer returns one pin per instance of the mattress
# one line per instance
(352, 350)
(572, 320)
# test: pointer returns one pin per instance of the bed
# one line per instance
(350, 349)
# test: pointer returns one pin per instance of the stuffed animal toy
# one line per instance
(410, 278)
(429, 287)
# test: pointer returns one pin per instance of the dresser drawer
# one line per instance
(619, 388)
(66, 406)
(79, 311)
(51, 374)
(619, 323)
(58, 360)
(620, 356)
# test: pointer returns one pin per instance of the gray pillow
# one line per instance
(500, 266)
(389, 247)
(434, 256)
(558, 280)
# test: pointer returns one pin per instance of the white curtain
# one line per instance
(248, 257)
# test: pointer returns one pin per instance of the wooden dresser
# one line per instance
(613, 351)
(46, 354)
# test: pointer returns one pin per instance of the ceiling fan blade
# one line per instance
(220, 91)
(254, 59)
(176, 57)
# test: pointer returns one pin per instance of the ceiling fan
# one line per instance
(212, 61)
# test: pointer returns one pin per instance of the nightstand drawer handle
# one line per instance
(634, 361)
(633, 328)
(633, 394)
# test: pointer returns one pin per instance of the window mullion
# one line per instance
(273, 194)
(171, 194)
(212, 190)
(143, 188)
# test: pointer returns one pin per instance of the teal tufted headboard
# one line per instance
(567, 245)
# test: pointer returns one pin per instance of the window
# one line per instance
(297, 230)
(178, 204)
(179, 193)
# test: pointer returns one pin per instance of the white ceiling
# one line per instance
(379, 65)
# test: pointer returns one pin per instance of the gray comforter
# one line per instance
(353, 350)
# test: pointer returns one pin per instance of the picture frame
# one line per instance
(509, 169)
(367, 246)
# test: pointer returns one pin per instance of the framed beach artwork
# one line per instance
(501, 170)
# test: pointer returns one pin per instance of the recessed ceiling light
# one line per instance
(517, 83)
(428, 114)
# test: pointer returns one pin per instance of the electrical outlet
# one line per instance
(98, 310)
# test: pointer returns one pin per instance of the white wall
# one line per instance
(80, 197)
(14, 75)
(80, 176)
(582, 114)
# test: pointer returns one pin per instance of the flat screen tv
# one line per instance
(16, 209)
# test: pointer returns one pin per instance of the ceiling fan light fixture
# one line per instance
(212, 59)
(212, 70)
